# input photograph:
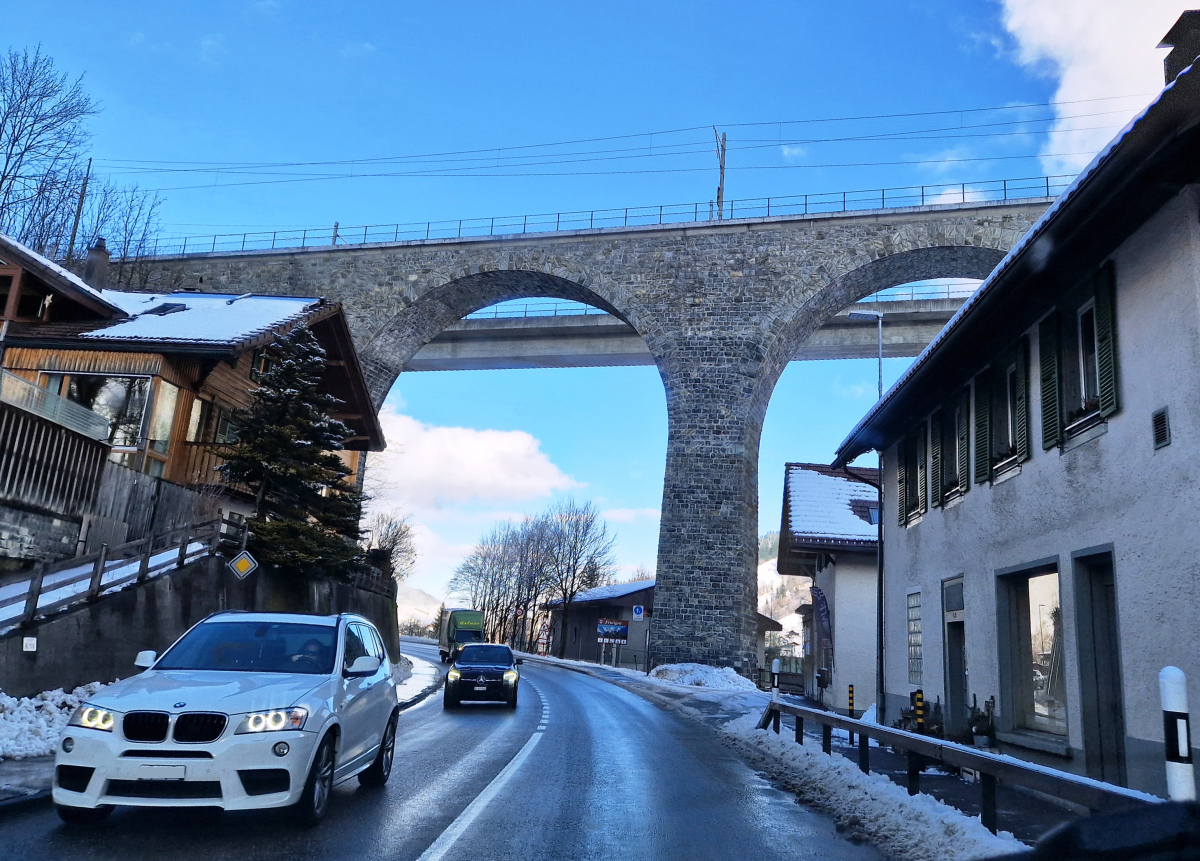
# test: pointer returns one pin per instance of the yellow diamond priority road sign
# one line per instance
(243, 565)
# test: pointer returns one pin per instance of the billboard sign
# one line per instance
(612, 631)
(824, 628)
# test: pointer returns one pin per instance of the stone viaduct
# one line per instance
(722, 308)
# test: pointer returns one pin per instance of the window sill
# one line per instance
(1043, 742)
(1005, 470)
(912, 520)
(1082, 424)
(1085, 434)
(951, 499)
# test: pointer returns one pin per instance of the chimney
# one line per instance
(1184, 40)
(95, 270)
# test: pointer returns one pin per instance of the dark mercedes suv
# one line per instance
(482, 672)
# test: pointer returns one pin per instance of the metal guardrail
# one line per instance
(506, 311)
(21, 393)
(1092, 794)
(986, 191)
(144, 557)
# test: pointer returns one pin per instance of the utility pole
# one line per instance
(720, 136)
(79, 210)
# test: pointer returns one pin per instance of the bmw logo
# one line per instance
(180, 705)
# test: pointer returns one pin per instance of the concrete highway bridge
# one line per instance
(720, 307)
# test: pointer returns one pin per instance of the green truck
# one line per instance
(459, 625)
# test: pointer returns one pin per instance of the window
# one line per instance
(911, 497)
(355, 648)
(1002, 413)
(162, 419)
(914, 639)
(1078, 357)
(121, 400)
(227, 429)
(949, 472)
(198, 420)
(1036, 689)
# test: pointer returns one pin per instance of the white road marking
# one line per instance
(438, 849)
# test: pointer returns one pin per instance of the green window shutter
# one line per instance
(964, 442)
(983, 427)
(935, 459)
(1048, 359)
(1022, 407)
(902, 480)
(1106, 347)
(922, 472)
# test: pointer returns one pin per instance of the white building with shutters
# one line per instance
(1040, 467)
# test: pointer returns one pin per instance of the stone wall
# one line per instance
(98, 642)
(722, 307)
(27, 537)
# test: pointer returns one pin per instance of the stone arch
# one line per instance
(432, 310)
(904, 267)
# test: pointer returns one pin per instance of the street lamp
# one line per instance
(877, 316)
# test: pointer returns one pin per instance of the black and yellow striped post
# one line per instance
(851, 712)
(920, 711)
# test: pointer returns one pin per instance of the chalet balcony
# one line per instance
(19, 392)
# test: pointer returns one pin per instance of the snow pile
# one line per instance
(701, 676)
(911, 828)
(30, 726)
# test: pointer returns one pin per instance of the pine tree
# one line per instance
(307, 517)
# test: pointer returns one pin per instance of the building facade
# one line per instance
(1040, 464)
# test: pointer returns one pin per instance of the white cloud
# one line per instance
(629, 515)
(793, 153)
(211, 48)
(427, 468)
(1095, 49)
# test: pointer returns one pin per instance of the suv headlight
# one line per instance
(273, 721)
(510, 676)
(453, 675)
(89, 716)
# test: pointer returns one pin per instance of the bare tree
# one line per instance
(580, 554)
(43, 139)
(392, 537)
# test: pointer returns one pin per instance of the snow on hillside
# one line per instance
(719, 678)
(415, 604)
(30, 726)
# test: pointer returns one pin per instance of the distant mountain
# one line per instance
(415, 604)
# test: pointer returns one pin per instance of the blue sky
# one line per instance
(222, 104)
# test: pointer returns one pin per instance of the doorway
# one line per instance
(1100, 669)
(954, 611)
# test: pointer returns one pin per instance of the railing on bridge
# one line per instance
(954, 289)
(986, 191)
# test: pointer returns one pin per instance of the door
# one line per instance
(355, 708)
(954, 612)
(1100, 669)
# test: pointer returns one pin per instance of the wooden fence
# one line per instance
(131, 505)
(133, 561)
(921, 750)
(46, 466)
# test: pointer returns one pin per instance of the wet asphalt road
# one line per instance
(593, 771)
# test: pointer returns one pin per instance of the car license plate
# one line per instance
(481, 687)
(162, 772)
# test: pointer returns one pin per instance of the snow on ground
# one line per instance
(909, 828)
(30, 726)
(701, 676)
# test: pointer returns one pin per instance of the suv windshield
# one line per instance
(255, 647)
(485, 655)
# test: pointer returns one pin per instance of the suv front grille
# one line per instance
(198, 727)
(146, 726)
(164, 788)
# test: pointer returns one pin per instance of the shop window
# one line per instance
(1036, 688)
(915, 661)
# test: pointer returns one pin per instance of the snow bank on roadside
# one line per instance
(30, 726)
(909, 828)
(702, 676)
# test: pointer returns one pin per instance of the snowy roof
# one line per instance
(54, 275)
(605, 593)
(199, 318)
(1133, 147)
(821, 506)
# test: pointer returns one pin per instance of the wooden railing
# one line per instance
(143, 559)
(921, 750)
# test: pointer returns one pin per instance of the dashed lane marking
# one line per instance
(446, 840)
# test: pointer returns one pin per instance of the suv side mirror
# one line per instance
(145, 659)
(366, 665)
(520, 660)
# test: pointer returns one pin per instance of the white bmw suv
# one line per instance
(245, 711)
